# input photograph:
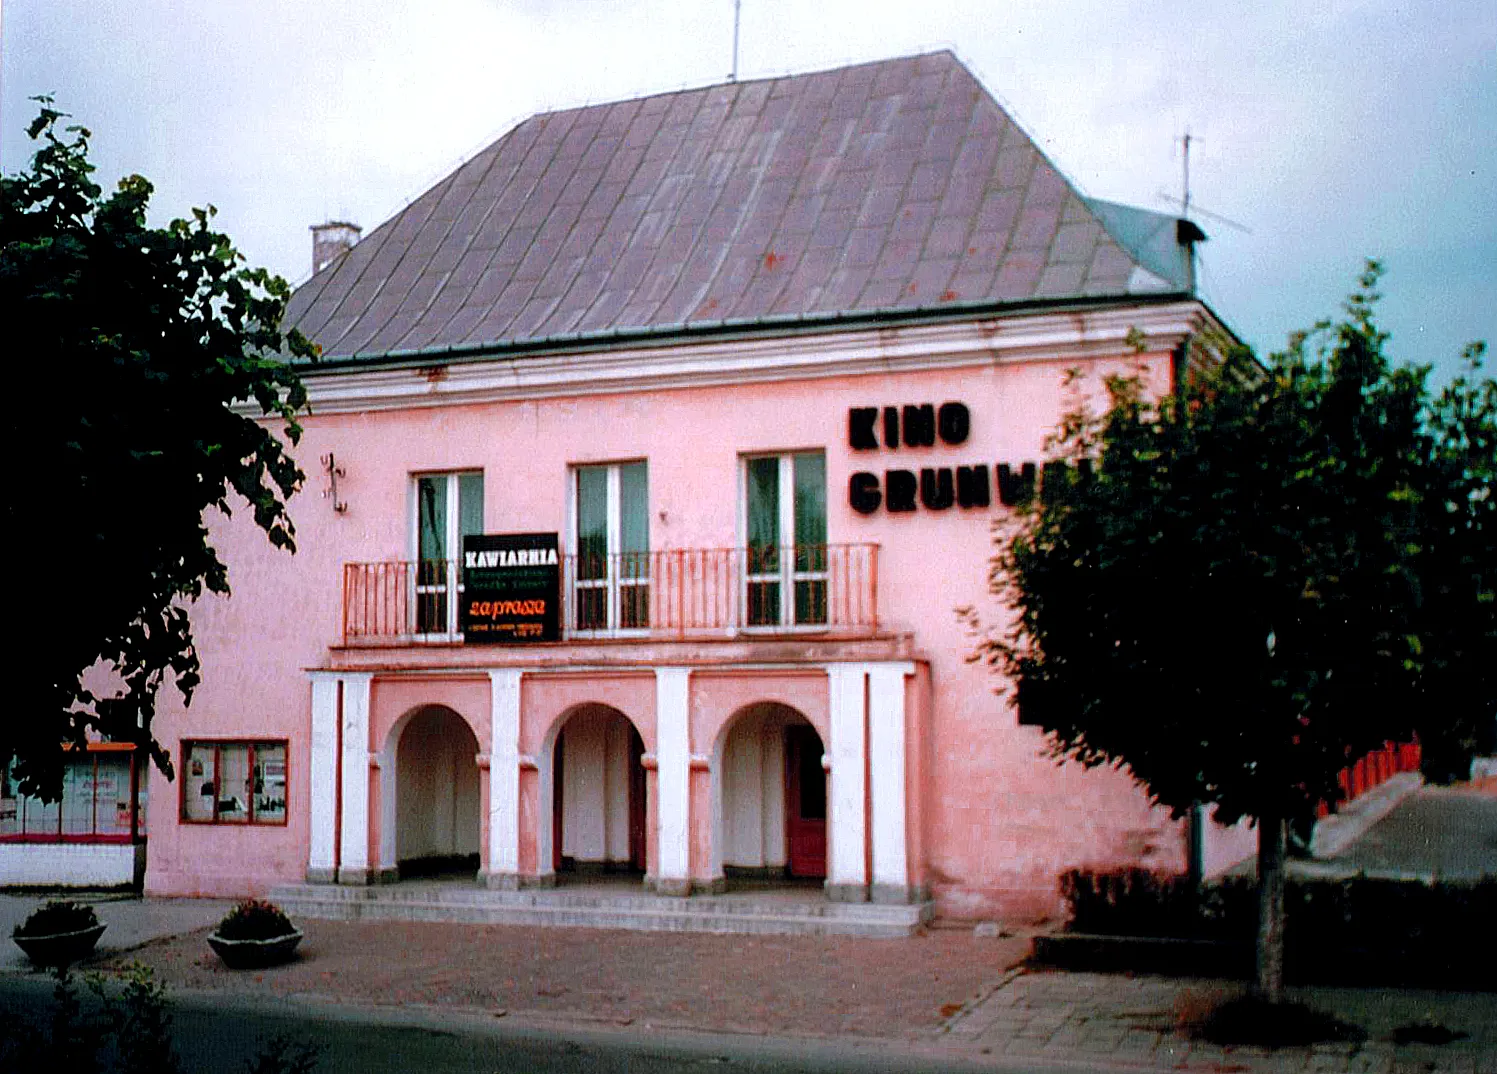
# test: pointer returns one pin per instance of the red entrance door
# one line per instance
(636, 801)
(805, 802)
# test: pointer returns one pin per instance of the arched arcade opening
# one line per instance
(769, 792)
(437, 796)
(598, 795)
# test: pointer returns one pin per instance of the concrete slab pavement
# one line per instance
(131, 920)
(1137, 1021)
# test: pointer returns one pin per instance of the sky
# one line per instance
(1323, 132)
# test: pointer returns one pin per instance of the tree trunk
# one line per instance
(1271, 883)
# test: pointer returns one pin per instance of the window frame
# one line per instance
(57, 833)
(186, 746)
(449, 587)
(614, 580)
(788, 573)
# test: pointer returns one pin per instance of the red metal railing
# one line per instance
(684, 592)
(1374, 768)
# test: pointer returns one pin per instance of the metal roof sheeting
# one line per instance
(897, 186)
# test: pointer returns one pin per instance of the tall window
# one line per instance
(611, 579)
(449, 507)
(785, 572)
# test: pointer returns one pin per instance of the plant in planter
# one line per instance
(255, 933)
(58, 932)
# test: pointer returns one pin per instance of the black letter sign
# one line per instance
(935, 488)
(863, 493)
(954, 423)
(860, 422)
(972, 486)
(900, 487)
(920, 426)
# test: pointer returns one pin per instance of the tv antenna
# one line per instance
(1184, 202)
(737, 9)
(1185, 179)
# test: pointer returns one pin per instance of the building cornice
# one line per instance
(1066, 335)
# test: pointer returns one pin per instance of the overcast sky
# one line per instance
(1327, 130)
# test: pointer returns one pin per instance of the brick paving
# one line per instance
(947, 989)
(813, 986)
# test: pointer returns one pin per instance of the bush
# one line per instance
(1354, 931)
(255, 919)
(1137, 902)
(57, 916)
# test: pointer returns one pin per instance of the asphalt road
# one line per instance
(1450, 832)
(212, 1035)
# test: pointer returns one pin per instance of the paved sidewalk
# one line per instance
(948, 992)
(1114, 1019)
(130, 920)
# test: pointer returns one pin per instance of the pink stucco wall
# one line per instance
(992, 819)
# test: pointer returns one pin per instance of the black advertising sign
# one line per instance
(511, 588)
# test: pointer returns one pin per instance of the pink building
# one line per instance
(650, 457)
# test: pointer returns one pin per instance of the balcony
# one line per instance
(672, 593)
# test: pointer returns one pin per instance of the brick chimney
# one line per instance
(331, 241)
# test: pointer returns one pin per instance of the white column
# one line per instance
(322, 864)
(504, 778)
(355, 833)
(847, 871)
(673, 779)
(886, 753)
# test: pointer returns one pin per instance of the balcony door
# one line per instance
(448, 508)
(610, 580)
(785, 553)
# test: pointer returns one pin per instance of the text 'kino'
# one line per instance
(511, 557)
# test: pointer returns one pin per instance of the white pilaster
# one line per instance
(886, 753)
(847, 870)
(673, 779)
(504, 777)
(354, 868)
(322, 865)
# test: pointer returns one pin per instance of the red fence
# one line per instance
(699, 592)
(1373, 769)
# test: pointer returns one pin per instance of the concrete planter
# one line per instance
(60, 948)
(254, 954)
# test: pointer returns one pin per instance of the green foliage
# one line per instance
(148, 354)
(133, 1028)
(57, 916)
(1261, 577)
(255, 919)
(1457, 568)
(1140, 902)
(139, 1018)
(1355, 931)
(70, 1043)
(282, 1055)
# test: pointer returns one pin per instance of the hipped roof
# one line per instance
(891, 187)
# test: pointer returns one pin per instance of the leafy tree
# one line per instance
(1458, 573)
(1226, 596)
(135, 344)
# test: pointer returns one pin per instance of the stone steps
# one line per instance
(770, 914)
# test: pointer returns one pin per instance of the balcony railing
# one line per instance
(700, 592)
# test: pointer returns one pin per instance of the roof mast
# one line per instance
(737, 7)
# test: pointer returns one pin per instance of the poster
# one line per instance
(511, 588)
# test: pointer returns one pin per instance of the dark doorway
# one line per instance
(805, 802)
